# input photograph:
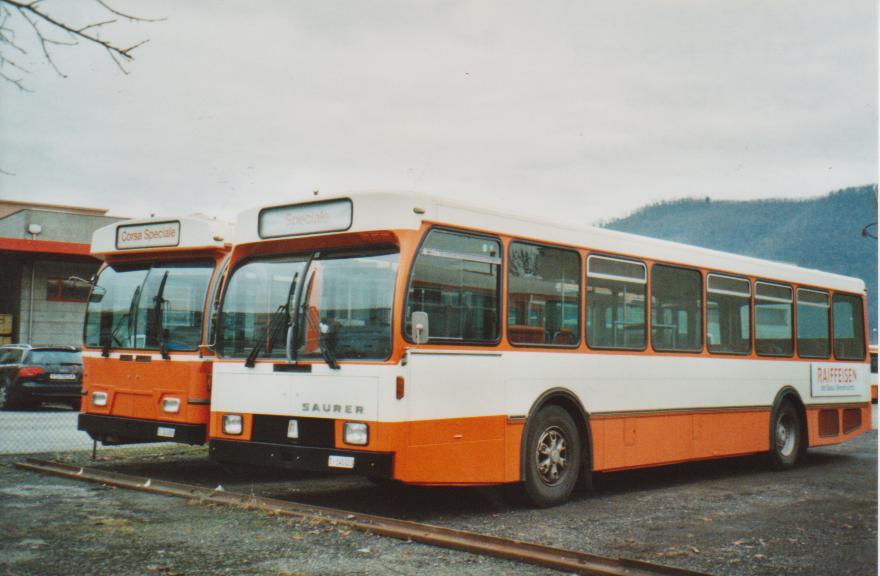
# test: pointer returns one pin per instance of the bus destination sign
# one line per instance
(835, 379)
(311, 218)
(152, 235)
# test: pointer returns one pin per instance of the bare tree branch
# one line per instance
(17, 83)
(110, 9)
(38, 18)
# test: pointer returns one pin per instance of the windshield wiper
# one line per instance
(157, 318)
(326, 341)
(280, 317)
(126, 319)
(328, 354)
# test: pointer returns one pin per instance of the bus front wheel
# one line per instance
(553, 453)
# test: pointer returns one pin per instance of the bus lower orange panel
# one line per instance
(136, 389)
(827, 425)
(635, 441)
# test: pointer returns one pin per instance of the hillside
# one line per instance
(822, 233)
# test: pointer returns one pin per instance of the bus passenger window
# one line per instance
(849, 328)
(728, 309)
(616, 315)
(543, 295)
(813, 338)
(456, 280)
(773, 326)
(676, 309)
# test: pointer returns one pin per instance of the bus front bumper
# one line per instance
(310, 458)
(118, 430)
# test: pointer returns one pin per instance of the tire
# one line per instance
(8, 398)
(553, 457)
(787, 442)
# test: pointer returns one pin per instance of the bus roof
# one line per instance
(373, 211)
(159, 235)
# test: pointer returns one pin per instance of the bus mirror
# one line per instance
(420, 327)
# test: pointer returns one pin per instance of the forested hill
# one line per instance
(822, 233)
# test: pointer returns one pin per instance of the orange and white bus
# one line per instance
(428, 342)
(146, 355)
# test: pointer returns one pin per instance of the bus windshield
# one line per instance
(346, 308)
(345, 305)
(143, 306)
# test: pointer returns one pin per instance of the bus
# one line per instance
(148, 329)
(420, 340)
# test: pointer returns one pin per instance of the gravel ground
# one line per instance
(725, 517)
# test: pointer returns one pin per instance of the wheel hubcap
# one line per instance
(785, 435)
(551, 456)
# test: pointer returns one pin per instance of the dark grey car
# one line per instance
(31, 375)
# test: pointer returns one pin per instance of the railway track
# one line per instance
(566, 560)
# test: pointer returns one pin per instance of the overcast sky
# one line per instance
(572, 110)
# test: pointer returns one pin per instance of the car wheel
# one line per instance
(786, 436)
(553, 457)
(7, 398)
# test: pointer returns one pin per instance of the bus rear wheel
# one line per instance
(786, 436)
(553, 453)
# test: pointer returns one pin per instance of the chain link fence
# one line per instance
(50, 431)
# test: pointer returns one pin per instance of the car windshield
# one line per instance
(347, 297)
(143, 306)
(10, 356)
(69, 357)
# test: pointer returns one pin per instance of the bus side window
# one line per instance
(773, 325)
(456, 280)
(615, 312)
(676, 309)
(543, 295)
(813, 338)
(849, 328)
(728, 304)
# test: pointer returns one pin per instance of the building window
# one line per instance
(64, 290)
(456, 280)
(849, 328)
(728, 314)
(773, 326)
(543, 295)
(616, 315)
(813, 337)
(676, 309)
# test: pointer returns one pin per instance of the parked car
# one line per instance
(31, 375)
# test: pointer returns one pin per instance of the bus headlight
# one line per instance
(171, 404)
(356, 433)
(232, 424)
(99, 398)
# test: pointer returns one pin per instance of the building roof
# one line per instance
(8, 207)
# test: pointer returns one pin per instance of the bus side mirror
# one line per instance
(420, 327)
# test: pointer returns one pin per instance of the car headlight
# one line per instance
(99, 398)
(356, 433)
(171, 404)
(232, 424)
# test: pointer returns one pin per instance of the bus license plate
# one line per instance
(165, 432)
(62, 376)
(336, 461)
